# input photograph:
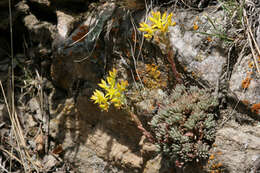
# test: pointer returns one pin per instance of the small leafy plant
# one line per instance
(185, 127)
(114, 92)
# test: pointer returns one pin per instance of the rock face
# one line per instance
(238, 145)
(201, 57)
(245, 82)
(85, 45)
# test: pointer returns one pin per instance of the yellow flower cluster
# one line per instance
(158, 23)
(114, 92)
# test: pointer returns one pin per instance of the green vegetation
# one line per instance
(185, 128)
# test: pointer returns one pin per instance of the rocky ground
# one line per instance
(60, 51)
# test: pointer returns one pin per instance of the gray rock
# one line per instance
(204, 59)
(42, 32)
(65, 24)
(242, 74)
(239, 147)
(83, 39)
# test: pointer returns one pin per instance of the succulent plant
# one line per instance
(185, 127)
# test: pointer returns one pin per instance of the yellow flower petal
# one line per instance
(122, 86)
(115, 100)
(118, 105)
(113, 73)
(94, 98)
(147, 36)
(98, 97)
(158, 23)
(154, 20)
(144, 25)
(164, 16)
(111, 92)
(142, 29)
(104, 107)
(103, 84)
(111, 81)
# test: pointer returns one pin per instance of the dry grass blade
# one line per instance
(11, 88)
(11, 155)
(20, 141)
(43, 103)
(4, 168)
(250, 39)
(10, 105)
(14, 127)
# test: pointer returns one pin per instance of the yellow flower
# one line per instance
(158, 23)
(104, 106)
(113, 73)
(98, 97)
(156, 20)
(114, 92)
(146, 28)
(122, 86)
(111, 81)
(103, 84)
(117, 102)
(118, 105)
(111, 92)
(147, 35)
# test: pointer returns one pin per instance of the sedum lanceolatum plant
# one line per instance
(113, 92)
(185, 127)
(160, 24)
(158, 28)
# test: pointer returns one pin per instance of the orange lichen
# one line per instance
(211, 157)
(255, 108)
(195, 24)
(218, 165)
(246, 82)
(213, 164)
(194, 75)
(209, 39)
(195, 27)
(249, 73)
(83, 30)
(251, 64)
(245, 102)
(219, 153)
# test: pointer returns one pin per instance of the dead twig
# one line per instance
(3, 168)
(250, 39)
(11, 155)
